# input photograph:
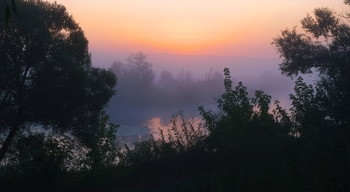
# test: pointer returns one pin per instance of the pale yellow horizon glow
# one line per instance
(229, 27)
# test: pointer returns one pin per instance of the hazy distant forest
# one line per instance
(140, 96)
(56, 136)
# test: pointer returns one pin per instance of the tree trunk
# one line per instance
(7, 142)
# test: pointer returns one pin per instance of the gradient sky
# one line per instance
(219, 27)
(196, 35)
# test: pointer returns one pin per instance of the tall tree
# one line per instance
(9, 7)
(321, 113)
(136, 71)
(46, 76)
(324, 48)
(248, 142)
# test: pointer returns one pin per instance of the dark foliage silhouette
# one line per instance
(9, 7)
(321, 112)
(46, 77)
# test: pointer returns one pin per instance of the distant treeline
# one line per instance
(140, 96)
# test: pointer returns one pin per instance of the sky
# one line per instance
(190, 27)
(197, 35)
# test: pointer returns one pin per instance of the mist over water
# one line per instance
(159, 85)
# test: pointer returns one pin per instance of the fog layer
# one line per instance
(160, 85)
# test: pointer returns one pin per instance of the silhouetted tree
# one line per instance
(9, 7)
(46, 75)
(101, 142)
(324, 49)
(140, 69)
(136, 71)
(167, 79)
(321, 113)
(248, 142)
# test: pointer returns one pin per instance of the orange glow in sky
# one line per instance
(228, 27)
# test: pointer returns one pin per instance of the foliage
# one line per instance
(323, 48)
(181, 137)
(46, 75)
(102, 151)
(248, 141)
(9, 6)
(50, 158)
(320, 112)
(52, 123)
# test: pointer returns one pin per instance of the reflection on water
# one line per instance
(128, 135)
(156, 126)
